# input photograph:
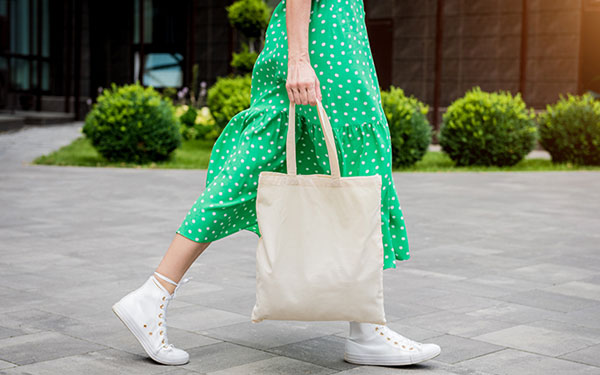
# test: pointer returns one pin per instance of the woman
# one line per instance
(313, 51)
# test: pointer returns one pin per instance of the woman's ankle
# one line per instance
(167, 286)
(165, 281)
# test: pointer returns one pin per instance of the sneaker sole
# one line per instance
(124, 318)
(385, 360)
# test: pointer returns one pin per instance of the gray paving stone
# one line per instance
(572, 328)
(412, 331)
(459, 302)
(19, 147)
(196, 290)
(222, 356)
(178, 371)
(397, 308)
(589, 355)
(42, 346)
(198, 318)
(232, 299)
(579, 289)
(426, 368)
(456, 324)
(275, 366)
(538, 340)
(581, 259)
(505, 257)
(326, 351)
(37, 320)
(456, 349)
(420, 296)
(10, 332)
(593, 279)
(585, 317)
(428, 276)
(511, 362)
(550, 301)
(515, 313)
(508, 283)
(452, 269)
(556, 273)
(6, 365)
(271, 333)
(94, 363)
(111, 333)
(490, 286)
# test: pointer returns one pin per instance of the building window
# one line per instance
(24, 44)
(161, 69)
(159, 42)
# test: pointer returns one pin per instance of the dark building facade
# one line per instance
(439, 49)
(55, 54)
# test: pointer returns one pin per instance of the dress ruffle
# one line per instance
(255, 140)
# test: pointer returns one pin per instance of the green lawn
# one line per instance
(435, 161)
(196, 154)
(191, 155)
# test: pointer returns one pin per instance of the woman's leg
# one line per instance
(180, 255)
(144, 310)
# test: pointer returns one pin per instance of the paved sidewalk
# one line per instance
(504, 274)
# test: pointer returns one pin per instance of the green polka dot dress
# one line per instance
(254, 139)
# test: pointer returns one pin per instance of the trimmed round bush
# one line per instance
(488, 129)
(570, 130)
(133, 123)
(229, 96)
(251, 17)
(244, 61)
(409, 129)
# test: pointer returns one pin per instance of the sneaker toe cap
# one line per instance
(174, 356)
(434, 349)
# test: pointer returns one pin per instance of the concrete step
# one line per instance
(18, 119)
(8, 122)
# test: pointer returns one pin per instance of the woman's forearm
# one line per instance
(302, 83)
(297, 19)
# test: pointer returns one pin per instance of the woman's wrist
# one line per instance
(298, 57)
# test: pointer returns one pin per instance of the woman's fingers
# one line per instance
(298, 93)
(304, 95)
(302, 85)
(312, 95)
(294, 91)
(304, 92)
(291, 94)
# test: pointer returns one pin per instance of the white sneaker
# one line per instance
(143, 312)
(375, 344)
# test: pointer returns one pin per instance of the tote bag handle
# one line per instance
(329, 140)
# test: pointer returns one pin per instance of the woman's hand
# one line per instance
(302, 84)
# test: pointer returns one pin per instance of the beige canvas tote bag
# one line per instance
(320, 253)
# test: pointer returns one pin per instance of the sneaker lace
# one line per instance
(168, 299)
(399, 337)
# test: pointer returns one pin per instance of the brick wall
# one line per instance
(481, 46)
(553, 53)
(212, 40)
